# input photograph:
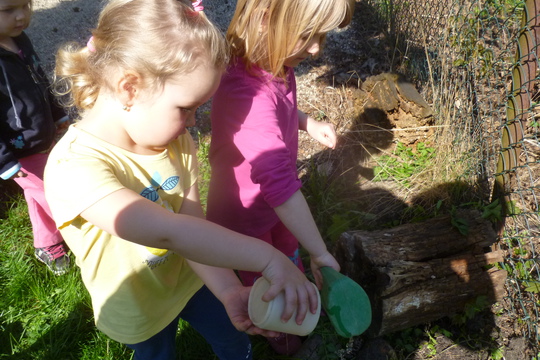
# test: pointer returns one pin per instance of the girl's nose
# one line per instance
(21, 14)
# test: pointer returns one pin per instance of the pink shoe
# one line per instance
(285, 344)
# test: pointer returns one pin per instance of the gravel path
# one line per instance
(58, 21)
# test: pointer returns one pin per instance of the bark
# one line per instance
(421, 272)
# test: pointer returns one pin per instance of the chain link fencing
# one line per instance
(478, 62)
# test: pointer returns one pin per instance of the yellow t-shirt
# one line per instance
(136, 290)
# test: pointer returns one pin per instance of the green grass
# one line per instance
(43, 316)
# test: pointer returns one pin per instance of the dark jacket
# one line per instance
(27, 108)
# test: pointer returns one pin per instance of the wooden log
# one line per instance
(416, 273)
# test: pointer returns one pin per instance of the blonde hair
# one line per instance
(265, 32)
(157, 40)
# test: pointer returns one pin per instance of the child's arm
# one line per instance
(223, 282)
(127, 215)
(321, 131)
(296, 216)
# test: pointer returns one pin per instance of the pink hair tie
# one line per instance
(197, 5)
(90, 44)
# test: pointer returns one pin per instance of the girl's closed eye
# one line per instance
(7, 10)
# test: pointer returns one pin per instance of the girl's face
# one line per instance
(14, 17)
(155, 121)
(303, 50)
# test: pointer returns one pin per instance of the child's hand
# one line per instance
(235, 300)
(318, 262)
(300, 296)
(19, 174)
(323, 132)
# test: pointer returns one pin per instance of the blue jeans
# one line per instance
(206, 314)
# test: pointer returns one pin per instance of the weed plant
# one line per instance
(403, 163)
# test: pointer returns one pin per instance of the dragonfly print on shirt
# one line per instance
(151, 192)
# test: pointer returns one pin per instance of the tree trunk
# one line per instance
(421, 272)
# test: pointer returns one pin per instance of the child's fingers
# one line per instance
(310, 298)
(254, 330)
(324, 260)
(306, 300)
(328, 138)
(292, 304)
(330, 143)
(290, 299)
(331, 139)
(272, 292)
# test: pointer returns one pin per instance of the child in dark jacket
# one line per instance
(28, 126)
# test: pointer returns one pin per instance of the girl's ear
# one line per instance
(127, 88)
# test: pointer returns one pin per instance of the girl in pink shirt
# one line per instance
(255, 187)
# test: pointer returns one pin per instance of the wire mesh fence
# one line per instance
(479, 63)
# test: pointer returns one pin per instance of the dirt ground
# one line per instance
(331, 88)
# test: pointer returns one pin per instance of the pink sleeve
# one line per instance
(268, 140)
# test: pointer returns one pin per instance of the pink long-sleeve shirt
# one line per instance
(254, 149)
